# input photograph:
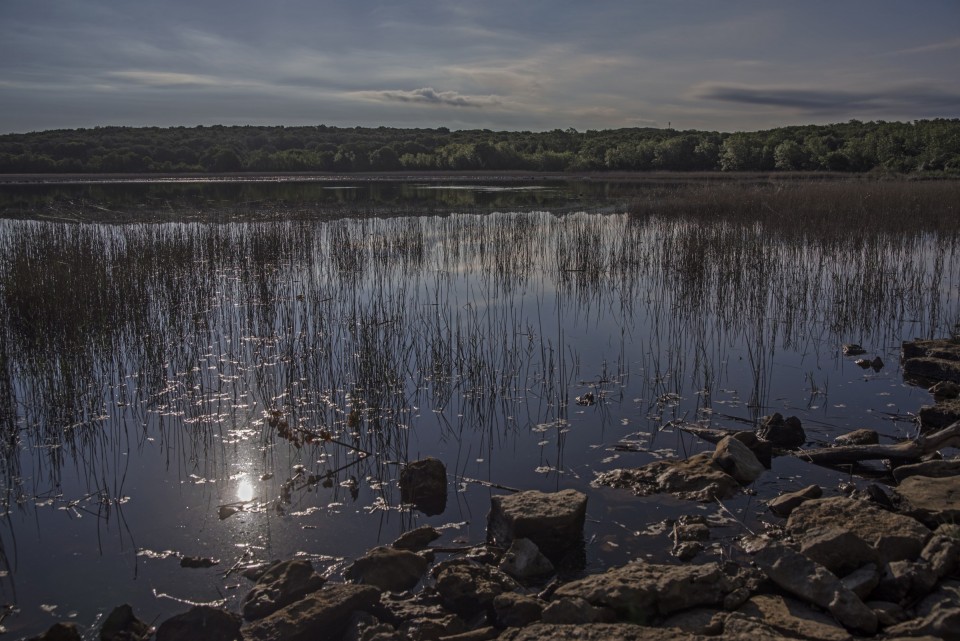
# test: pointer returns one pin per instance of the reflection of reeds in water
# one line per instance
(196, 334)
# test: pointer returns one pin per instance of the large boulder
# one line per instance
(553, 521)
(424, 484)
(388, 569)
(895, 537)
(201, 623)
(737, 460)
(639, 591)
(320, 616)
(281, 584)
(838, 549)
(698, 478)
(930, 500)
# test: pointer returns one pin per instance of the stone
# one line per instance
(763, 450)
(553, 521)
(853, 349)
(785, 434)
(737, 460)
(687, 550)
(487, 633)
(895, 537)
(388, 569)
(905, 580)
(468, 588)
(596, 632)
(690, 531)
(888, 613)
(938, 615)
(863, 580)
(417, 539)
(201, 623)
(513, 610)
(60, 632)
(123, 625)
(574, 610)
(931, 469)
(320, 616)
(929, 361)
(407, 612)
(943, 414)
(812, 582)
(698, 478)
(784, 504)
(706, 621)
(524, 561)
(197, 562)
(945, 390)
(787, 617)
(943, 554)
(837, 549)
(430, 628)
(638, 591)
(363, 626)
(930, 500)
(281, 584)
(424, 484)
(858, 437)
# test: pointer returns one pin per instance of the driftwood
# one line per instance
(912, 450)
(707, 434)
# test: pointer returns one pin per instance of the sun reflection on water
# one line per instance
(245, 490)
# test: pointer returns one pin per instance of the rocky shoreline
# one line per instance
(880, 563)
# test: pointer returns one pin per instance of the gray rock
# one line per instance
(553, 521)
(320, 616)
(513, 610)
(784, 504)
(524, 561)
(424, 484)
(810, 581)
(863, 580)
(786, 434)
(417, 539)
(596, 632)
(469, 588)
(894, 536)
(930, 500)
(122, 625)
(787, 617)
(838, 549)
(201, 623)
(281, 584)
(638, 591)
(697, 478)
(943, 554)
(932, 469)
(388, 569)
(938, 615)
(737, 460)
(858, 437)
(60, 632)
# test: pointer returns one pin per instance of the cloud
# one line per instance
(430, 96)
(165, 78)
(946, 45)
(919, 99)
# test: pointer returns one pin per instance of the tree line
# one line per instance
(855, 146)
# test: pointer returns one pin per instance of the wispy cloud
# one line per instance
(946, 45)
(165, 78)
(429, 96)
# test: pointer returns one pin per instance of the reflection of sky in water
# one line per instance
(462, 337)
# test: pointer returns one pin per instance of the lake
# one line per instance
(238, 369)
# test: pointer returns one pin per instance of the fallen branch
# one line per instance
(912, 450)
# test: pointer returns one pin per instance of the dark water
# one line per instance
(172, 352)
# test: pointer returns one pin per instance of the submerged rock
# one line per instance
(320, 616)
(698, 478)
(122, 625)
(281, 584)
(553, 521)
(201, 623)
(388, 568)
(424, 484)
(784, 504)
(784, 433)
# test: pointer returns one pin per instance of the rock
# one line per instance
(737, 460)
(894, 536)
(858, 437)
(938, 615)
(689, 528)
(931, 360)
(388, 569)
(945, 390)
(417, 539)
(943, 414)
(706, 621)
(930, 500)
(319, 616)
(553, 521)
(910, 580)
(932, 469)
(697, 478)
(366, 627)
(281, 584)
(837, 549)
(201, 623)
(122, 625)
(197, 562)
(639, 591)
(428, 629)
(785, 434)
(784, 504)
(787, 617)
(469, 588)
(943, 554)
(487, 633)
(863, 580)
(595, 632)
(574, 610)
(513, 610)
(853, 349)
(524, 561)
(60, 632)
(424, 483)
(421, 615)
(812, 582)
(687, 551)
(888, 613)
(763, 450)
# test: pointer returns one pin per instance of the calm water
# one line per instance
(237, 370)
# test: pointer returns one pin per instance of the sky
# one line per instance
(535, 65)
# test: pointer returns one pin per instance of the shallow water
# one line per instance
(175, 352)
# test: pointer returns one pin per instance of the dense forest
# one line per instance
(920, 146)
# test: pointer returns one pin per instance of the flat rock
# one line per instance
(863, 580)
(894, 536)
(320, 616)
(813, 583)
(388, 568)
(838, 549)
(553, 521)
(931, 360)
(737, 460)
(788, 617)
(281, 584)
(943, 414)
(574, 610)
(932, 469)
(639, 591)
(698, 478)
(858, 437)
(417, 539)
(596, 632)
(938, 615)
(704, 620)
(201, 623)
(930, 500)
(784, 504)
(525, 562)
